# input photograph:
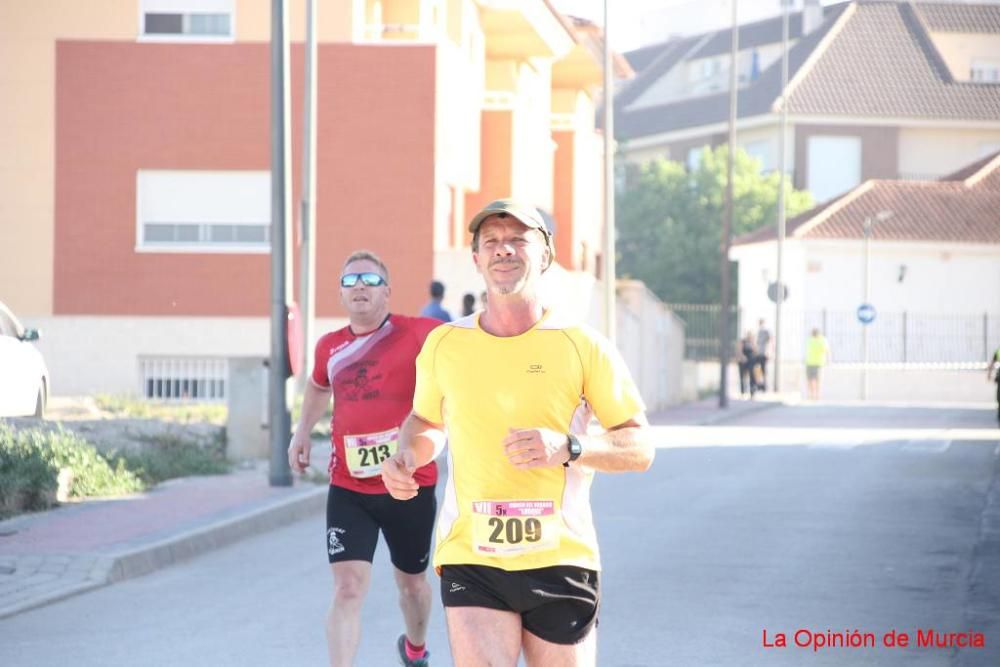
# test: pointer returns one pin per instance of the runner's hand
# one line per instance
(536, 447)
(397, 475)
(298, 452)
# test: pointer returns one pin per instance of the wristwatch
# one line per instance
(575, 448)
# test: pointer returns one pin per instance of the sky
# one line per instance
(635, 23)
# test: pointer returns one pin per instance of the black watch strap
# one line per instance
(575, 448)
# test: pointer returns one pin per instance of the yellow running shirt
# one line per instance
(480, 386)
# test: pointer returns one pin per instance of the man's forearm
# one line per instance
(424, 439)
(314, 404)
(627, 449)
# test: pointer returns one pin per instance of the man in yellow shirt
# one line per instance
(817, 356)
(515, 388)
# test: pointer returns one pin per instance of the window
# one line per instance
(834, 165)
(985, 71)
(183, 379)
(694, 157)
(203, 211)
(188, 20)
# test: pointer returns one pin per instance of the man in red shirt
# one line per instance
(369, 366)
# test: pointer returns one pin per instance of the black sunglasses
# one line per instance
(368, 278)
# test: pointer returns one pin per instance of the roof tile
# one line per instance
(957, 210)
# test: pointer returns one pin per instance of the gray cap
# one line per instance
(526, 213)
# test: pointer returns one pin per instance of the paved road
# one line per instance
(856, 518)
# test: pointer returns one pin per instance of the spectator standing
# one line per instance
(433, 307)
(468, 304)
(763, 354)
(817, 356)
(748, 359)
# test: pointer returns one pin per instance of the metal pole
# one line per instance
(610, 313)
(782, 128)
(864, 327)
(307, 210)
(727, 221)
(986, 338)
(280, 419)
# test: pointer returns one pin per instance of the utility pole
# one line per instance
(280, 419)
(779, 291)
(867, 226)
(610, 312)
(725, 344)
(307, 209)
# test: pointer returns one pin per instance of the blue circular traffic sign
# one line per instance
(866, 313)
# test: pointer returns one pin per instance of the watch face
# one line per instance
(575, 449)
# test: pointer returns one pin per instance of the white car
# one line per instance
(24, 379)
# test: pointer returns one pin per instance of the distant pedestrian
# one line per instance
(433, 307)
(817, 356)
(993, 373)
(747, 363)
(763, 353)
(468, 304)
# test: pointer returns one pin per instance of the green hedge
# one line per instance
(31, 459)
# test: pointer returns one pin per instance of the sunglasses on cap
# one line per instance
(367, 278)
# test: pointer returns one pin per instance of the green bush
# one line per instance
(170, 456)
(27, 475)
(30, 461)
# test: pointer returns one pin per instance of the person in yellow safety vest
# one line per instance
(817, 356)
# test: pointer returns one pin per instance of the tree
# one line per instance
(670, 221)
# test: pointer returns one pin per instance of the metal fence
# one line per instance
(893, 338)
(701, 328)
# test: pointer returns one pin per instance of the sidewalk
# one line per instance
(49, 556)
(707, 411)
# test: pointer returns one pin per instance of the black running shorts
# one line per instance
(354, 519)
(558, 604)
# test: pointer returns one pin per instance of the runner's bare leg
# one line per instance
(540, 653)
(482, 637)
(415, 602)
(343, 621)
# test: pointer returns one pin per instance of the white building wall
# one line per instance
(947, 290)
(88, 355)
(942, 279)
(757, 268)
(929, 153)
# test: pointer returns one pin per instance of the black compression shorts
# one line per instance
(353, 521)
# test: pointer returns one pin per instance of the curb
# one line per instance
(147, 558)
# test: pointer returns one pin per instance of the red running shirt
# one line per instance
(372, 377)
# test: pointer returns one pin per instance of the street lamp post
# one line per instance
(881, 216)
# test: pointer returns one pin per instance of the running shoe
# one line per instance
(406, 662)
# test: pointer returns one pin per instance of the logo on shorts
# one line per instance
(333, 543)
(456, 587)
(423, 558)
